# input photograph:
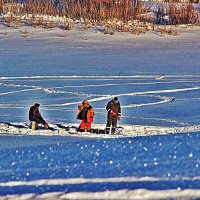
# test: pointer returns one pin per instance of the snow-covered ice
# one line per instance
(157, 82)
(83, 168)
(69, 129)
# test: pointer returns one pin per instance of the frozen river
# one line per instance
(157, 82)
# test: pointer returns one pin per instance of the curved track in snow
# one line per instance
(158, 90)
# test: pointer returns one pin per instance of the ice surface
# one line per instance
(153, 76)
(157, 82)
(69, 129)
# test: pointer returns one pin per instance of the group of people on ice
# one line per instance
(85, 114)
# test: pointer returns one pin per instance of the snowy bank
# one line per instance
(95, 35)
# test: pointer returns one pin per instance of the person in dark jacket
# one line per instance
(35, 116)
(114, 113)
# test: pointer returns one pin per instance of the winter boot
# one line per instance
(113, 130)
(107, 131)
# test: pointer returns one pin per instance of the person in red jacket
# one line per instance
(114, 113)
(86, 115)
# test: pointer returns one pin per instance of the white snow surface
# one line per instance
(67, 129)
(117, 194)
(87, 41)
(154, 59)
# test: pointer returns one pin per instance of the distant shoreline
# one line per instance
(95, 35)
